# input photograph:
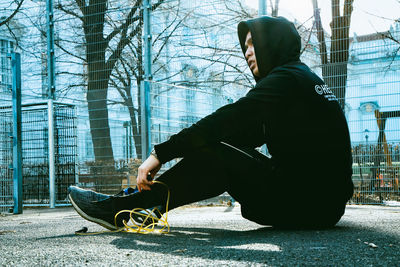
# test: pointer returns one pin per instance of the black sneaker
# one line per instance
(141, 218)
(96, 207)
(146, 219)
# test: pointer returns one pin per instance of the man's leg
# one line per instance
(247, 176)
(206, 174)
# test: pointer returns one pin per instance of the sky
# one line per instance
(368, 16)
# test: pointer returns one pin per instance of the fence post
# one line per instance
(52, 186)
(50, 95)
(262, 7)
(17, 135)
(146, 85)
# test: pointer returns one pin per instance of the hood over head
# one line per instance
(276, 42)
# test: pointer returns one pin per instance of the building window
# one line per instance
(5, 65)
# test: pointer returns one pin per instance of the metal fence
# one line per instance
(35, 152)
(118, 61)
(376, 173)
(6, 178)
(363, 72)
(373, 113)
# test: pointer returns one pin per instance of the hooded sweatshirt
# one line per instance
(290, 109)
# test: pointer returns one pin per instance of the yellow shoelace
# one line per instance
(157, 225)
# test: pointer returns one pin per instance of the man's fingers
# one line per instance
(144, 187)
(143, 183)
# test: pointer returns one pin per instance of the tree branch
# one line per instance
(129, 20)
(335, 5)
(166, 39)
(348, 8)
(120, 91)
(124, 40)
(154, 7)
(70, 73)
(13, 14)
(69, 12)
(308, 39)
(13, 34)
(62, 48)
(320, 34)
(82, 6)
(117, 52)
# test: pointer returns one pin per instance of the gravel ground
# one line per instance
(201, 236)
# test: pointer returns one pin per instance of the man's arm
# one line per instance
(241, 123)
(238, 124)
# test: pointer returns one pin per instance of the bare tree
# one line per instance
(128, 73)
(389, 35)
(224, 59)
(334, 65)
(274, 8)
(105, 39)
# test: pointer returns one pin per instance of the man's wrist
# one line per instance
(154, 153)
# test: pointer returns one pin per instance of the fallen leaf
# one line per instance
(6, 232)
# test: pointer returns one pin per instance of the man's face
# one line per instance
(251, 55)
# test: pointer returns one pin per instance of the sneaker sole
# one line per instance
(92, 219)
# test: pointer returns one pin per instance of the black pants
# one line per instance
(249, 177)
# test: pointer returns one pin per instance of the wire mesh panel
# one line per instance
(363, 72)
(35, 165)
(65, 149)
(35, 152)
(373, 108)
(99, 58)
(6, 130)
(198, 63)
(6, 154)
(197, 67)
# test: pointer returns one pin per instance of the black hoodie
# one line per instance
(290, 109)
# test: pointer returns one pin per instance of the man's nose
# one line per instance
(248, 53)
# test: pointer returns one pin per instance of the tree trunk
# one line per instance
(339, 55)
(334, 70)
(135, 127)
(99, 125)
(335, 76)
(98, 77)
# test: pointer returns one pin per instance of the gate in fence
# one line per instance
(35, 152)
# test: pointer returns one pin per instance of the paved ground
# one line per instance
(201, 236)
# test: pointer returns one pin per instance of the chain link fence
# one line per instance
(35, 152)
(6, 176)
(196, 66)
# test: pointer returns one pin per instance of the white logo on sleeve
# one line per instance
(324, 90)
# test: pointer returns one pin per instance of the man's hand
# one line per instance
(151, 165)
